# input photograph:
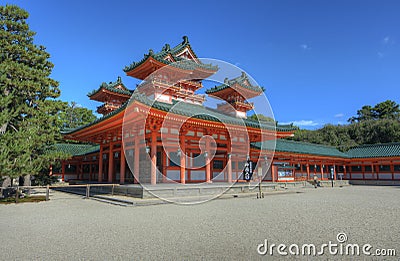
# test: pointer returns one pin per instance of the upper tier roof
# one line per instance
(174, 57)
(116, 87)
(242, 81)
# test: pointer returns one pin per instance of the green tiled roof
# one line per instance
(375, 150)
(76, 149)
(302, 148)
(111, 87)
(187, 109)
(241, 80)
(180, 63)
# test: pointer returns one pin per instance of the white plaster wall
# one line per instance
(385, 175)
(198, 175)
(173, 174)
(218, 176)
(356, 176)
(370, 176)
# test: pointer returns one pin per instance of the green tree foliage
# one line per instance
(28, 119)
(261, 117)
(387, 110)
(384, 110)
(73, 116)
(378, 124)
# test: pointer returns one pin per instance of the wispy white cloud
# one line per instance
(303, 123)
(305, 47)
(386, 40)
(339, 115)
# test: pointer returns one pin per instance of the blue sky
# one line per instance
(319, 61)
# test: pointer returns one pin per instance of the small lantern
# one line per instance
(206, 154)
(147, 149)
(179, 152)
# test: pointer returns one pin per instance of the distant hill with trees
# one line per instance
(378, 124)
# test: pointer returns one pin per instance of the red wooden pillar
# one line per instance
(363, 170)
(274, 173)
(183, 159)
(229, 162)
(208, 167)
(110, 164)
(229, 167)
(372, 171)
(322, 171)
(294, 169)
(153, 156)
(308, 171)
(164, 169)
(392, 169)
(136, 160)
(100, 175)
(62, 170)
(122, 167)
(350, 173)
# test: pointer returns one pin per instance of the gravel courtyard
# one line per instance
(71, 228)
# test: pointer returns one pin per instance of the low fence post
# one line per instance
(112, 190)
(87, 191)
(16, 195)
(47, 193)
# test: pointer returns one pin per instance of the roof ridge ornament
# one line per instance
(166, 48)
(185, 39)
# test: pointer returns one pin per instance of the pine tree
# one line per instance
(28, 105)
(73, 116)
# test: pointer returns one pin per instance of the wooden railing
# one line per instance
(48, 187)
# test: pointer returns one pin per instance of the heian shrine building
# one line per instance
(162, 132)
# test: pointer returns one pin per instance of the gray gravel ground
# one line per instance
(71, 228)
